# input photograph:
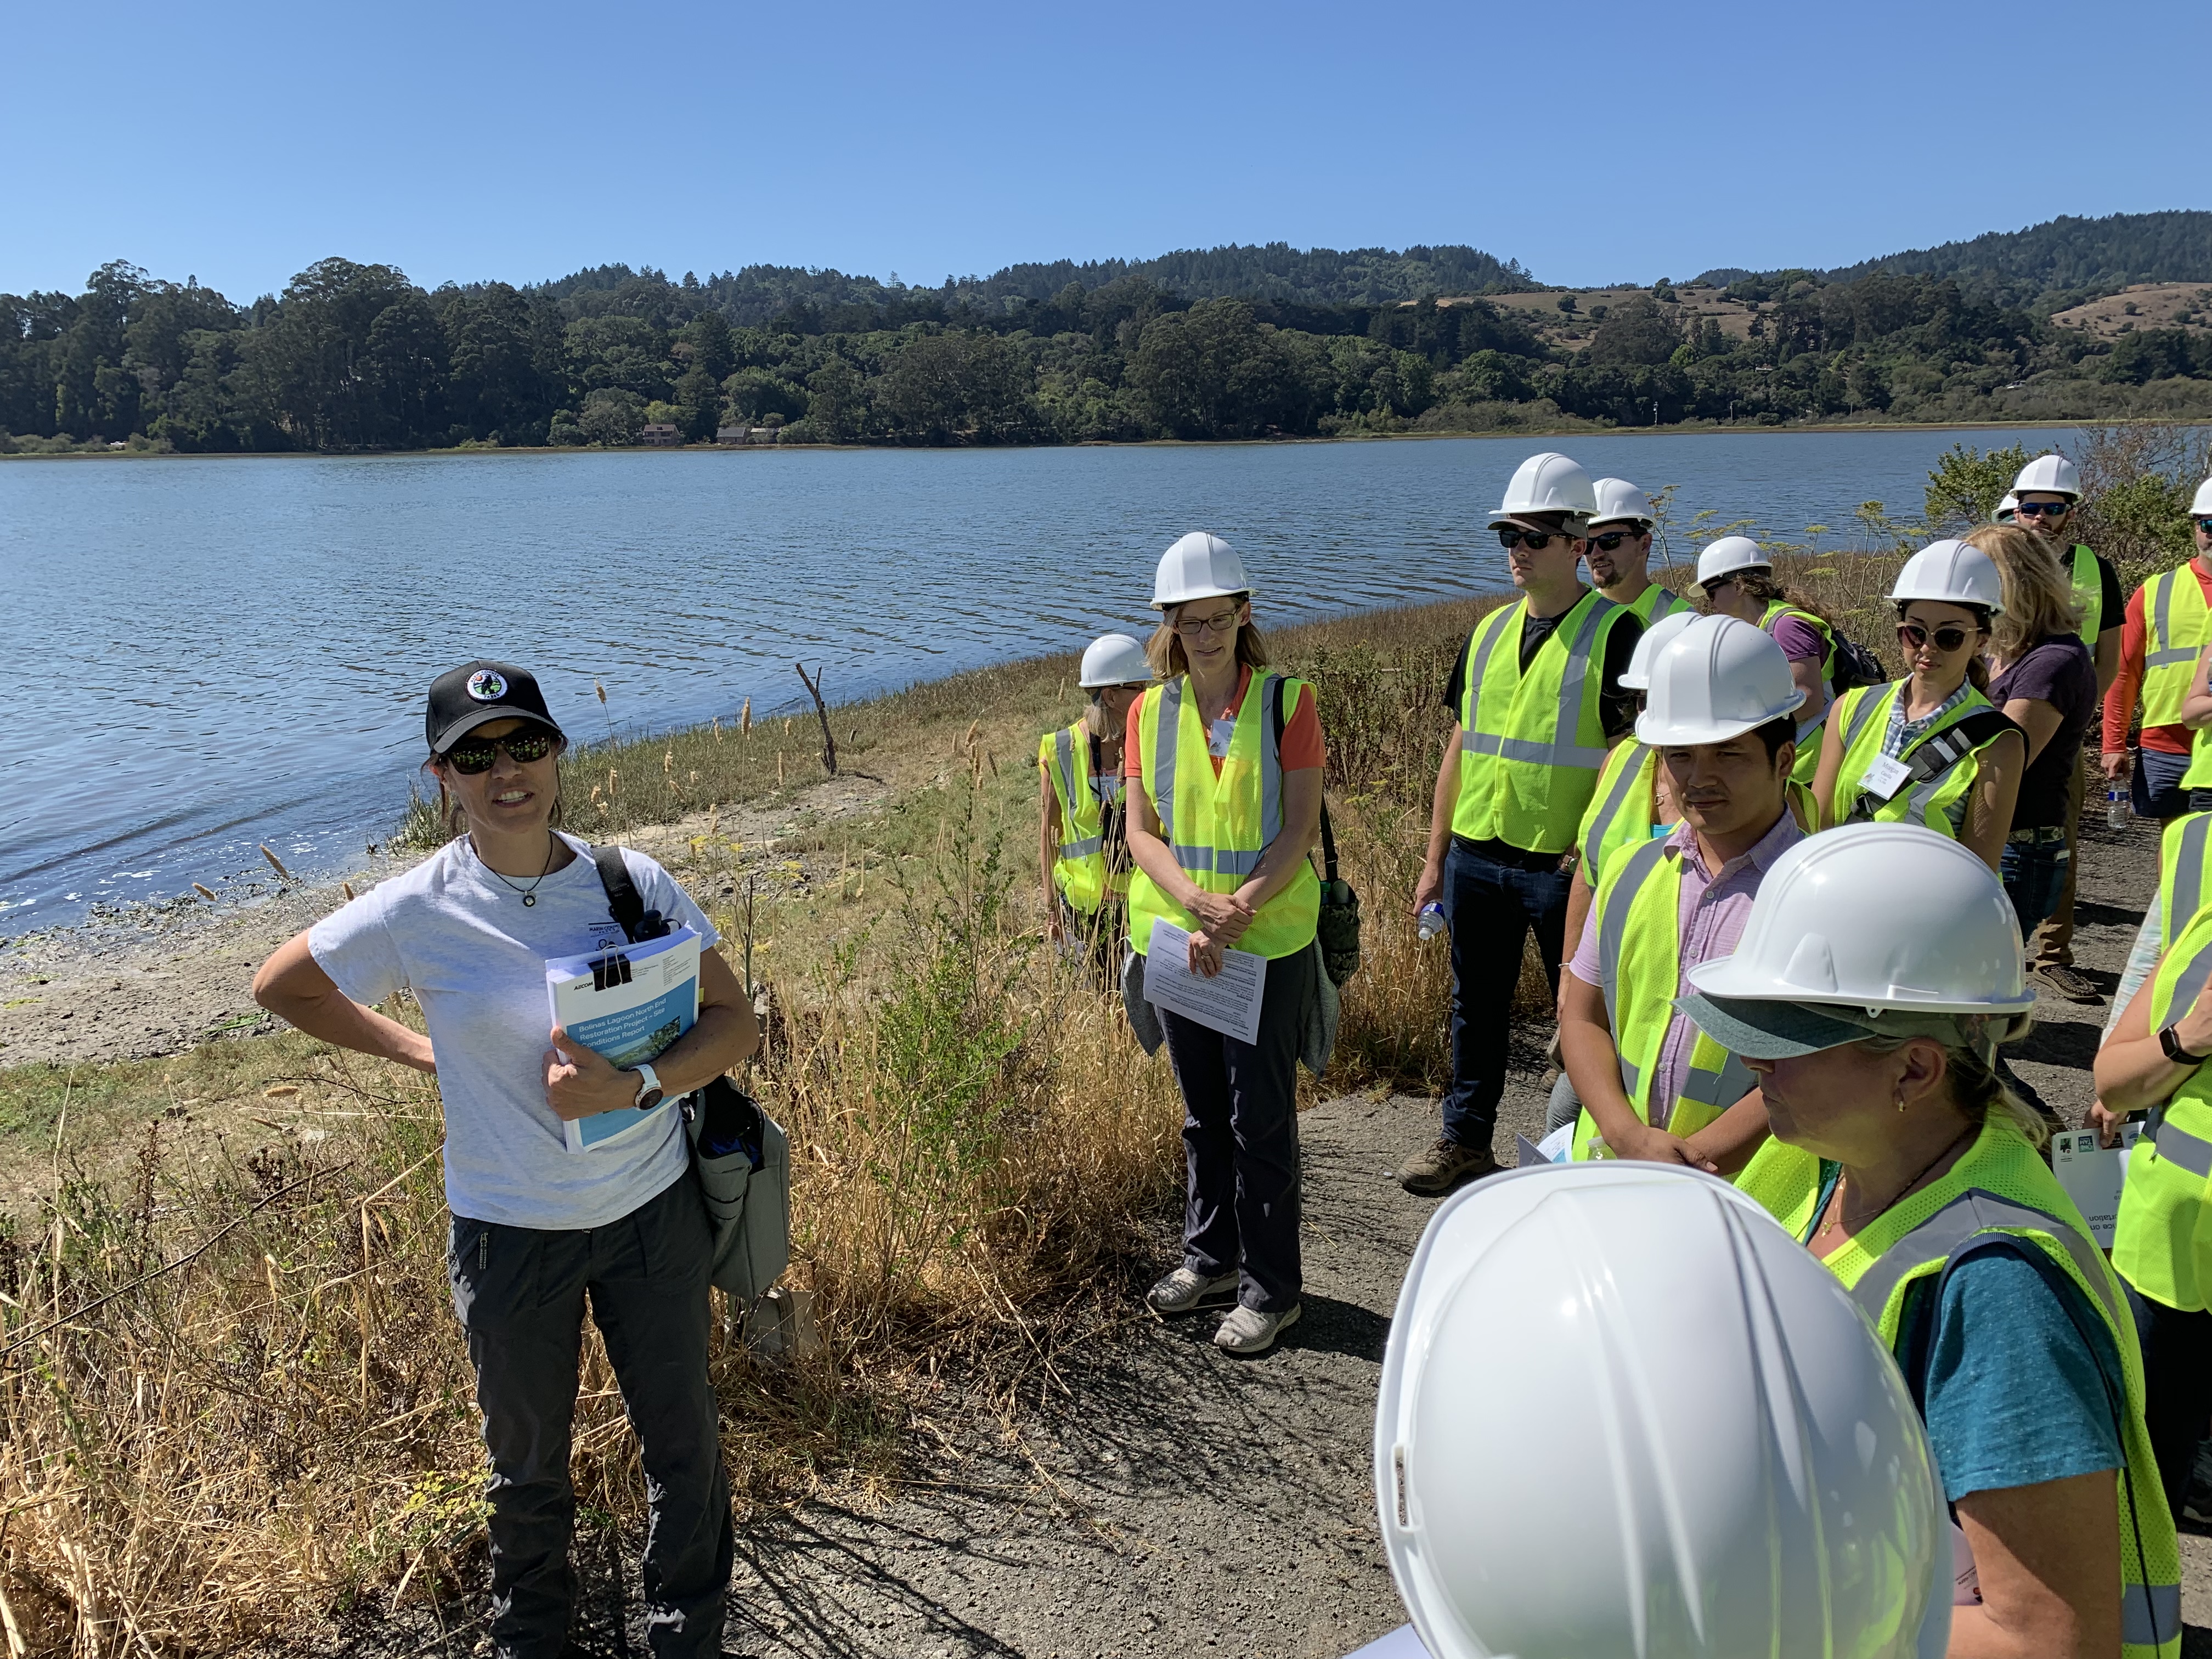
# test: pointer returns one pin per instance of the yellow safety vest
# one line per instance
(1080, 871)
(2162, 1241)
(2089, 594)
(1640, 964)
(2002, 1187)
(1808, 731)
(2175, 622)
(1217, 827)
(1623, 812)
(1655, 602)
(1531, 746)
(1864, 712)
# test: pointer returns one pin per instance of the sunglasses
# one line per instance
(1535, 540)
(471, 756)
(2045, 509)
(1947, 639)
(2205, 525)
(1612, 539)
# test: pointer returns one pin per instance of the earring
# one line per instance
(1901, 1098)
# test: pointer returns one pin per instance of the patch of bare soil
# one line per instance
(2141, 305)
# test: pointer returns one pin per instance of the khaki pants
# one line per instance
(2054, 939)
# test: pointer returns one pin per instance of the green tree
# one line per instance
(959, 388)
(1214, 372)
(1635, 332)
(698, 406)
(1965, 484)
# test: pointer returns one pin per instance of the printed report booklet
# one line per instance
(626, 1016)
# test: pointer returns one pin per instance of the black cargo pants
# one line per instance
(521, 1294)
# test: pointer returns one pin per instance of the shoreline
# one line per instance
(1680, 429)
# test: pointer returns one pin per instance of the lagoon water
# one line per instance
(200, 654)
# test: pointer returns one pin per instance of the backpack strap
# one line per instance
(1938, 754)
(1328, 833)
(624, 904)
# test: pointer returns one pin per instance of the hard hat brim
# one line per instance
(1768, 1030)
(1572, 524)
(1675, 735)
(1203, 593)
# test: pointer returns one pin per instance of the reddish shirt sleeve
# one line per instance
(1301, 744)
(1131, 766)
(2120, 701)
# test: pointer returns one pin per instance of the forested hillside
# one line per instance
(1224, 344)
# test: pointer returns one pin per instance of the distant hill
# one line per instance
(2057, 262)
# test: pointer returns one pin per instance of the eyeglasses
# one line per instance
(1947, 639)
(1197, 627)
(1713, 587)
(474, 755)
(2045, 509)
(2204, 527)
(1535, 540)
(1612, 539)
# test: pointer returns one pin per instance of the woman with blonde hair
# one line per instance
(2046, 681)
(1224, 764)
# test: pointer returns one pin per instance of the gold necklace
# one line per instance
(1837, 1202)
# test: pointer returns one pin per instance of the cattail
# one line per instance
(745, 719)
(598, 794)
(610, 783)
(281, 1091)
(717, 728)
(602, 690)
(276, 864)
(346, 887)
(974, 728)
(204, 892)
(779, 769)
(694, 778)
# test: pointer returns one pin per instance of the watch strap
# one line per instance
(649, 1091)
(2169, 1041)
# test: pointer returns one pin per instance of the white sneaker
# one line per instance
(1249, 1331)
(1184, 1292)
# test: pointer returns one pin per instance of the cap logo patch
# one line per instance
(487, 686)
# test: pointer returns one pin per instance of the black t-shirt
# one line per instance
(2113, 603)
(2060, 671)
(1616, 708)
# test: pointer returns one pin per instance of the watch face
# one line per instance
(649, 1099)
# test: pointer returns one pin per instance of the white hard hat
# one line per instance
(1549, 483)
(2052, 475)
(1538, 1495)
(1619, 500)
(1952, 572)
(1113, 660)
(2007, 504)
(1729, 555)
(1198, 567)
(1637, 677)
(1874, 916)
(2201, 507)
(1717, 679)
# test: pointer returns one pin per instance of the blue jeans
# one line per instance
(2034, 872)
(2155, 790)
(1491, 907)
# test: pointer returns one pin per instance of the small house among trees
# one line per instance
(661, 433)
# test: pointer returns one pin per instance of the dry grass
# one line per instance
(232, 1394)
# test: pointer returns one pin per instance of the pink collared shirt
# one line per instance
(1716, 904)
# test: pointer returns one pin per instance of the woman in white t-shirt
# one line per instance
(536, 1229)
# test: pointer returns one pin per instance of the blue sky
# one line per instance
(1596, 143)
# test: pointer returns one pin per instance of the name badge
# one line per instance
(1217, 745)
(1885, 777)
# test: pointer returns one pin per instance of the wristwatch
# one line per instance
(2170, 1042)
(649, 1091)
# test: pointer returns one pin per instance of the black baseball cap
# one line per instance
(478, 693)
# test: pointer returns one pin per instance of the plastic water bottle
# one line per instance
(1432, 921)
(2116, 809)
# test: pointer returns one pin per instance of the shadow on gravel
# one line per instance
(2069, 1042)
(1329, 1326)
(2089, 915)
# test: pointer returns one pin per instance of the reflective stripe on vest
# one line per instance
(1078, 869)
(2001, 1188)
(2176, 618)
(1656, 601)
(1531, 746)
(2181, 852)
(1927, 803)
(1621, 813)
(1082, 845)
(1647, 936)
(2089, 594)
(1218, 825)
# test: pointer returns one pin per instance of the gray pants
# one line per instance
(521, 1292)
(1565, 1106)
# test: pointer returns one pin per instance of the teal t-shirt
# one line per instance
(2015, 1374)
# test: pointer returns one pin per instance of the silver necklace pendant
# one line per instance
(528, 900)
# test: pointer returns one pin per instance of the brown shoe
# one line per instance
(1432, 1173)
(2069, 982)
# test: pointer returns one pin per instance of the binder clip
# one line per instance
(610, 971)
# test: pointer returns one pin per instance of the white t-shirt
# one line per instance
(474, 955)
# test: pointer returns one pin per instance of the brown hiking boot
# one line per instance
(2070, 981)
(1436, 1171)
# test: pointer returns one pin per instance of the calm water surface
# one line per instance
(201, 654)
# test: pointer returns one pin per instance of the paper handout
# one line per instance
(1228, 1003)
(2093, 1175)
(626, 1005)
